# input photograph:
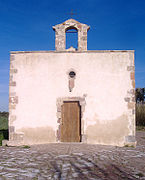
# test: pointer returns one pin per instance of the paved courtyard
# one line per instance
(73, 161)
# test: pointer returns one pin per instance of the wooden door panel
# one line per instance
(70, 127)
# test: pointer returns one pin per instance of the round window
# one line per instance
(72, 74)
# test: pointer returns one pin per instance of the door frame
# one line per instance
(78, 122)
(82, 103)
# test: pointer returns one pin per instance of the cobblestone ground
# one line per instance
(73, 161)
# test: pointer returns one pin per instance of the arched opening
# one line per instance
(71, 37)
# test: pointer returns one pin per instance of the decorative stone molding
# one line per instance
(13, 98)
(59, 103)
(60, 37)
(130, 100)
(14, 138)
(130, 68)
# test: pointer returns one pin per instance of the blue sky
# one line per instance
(27, 25)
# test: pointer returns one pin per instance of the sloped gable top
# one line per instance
(71, 23)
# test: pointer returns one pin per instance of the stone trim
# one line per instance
(12, 83)
(130, 140)
(132, 75)
(13, 99)
(12, 58)
(131, 105)
(130, 68)
(130, 99)
(88, 51)
(59, 103)
(14, 138)
(12, 71)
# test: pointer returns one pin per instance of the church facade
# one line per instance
(72, 95)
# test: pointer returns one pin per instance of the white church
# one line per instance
(72, 95)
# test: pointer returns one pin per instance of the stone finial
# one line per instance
(60, 37)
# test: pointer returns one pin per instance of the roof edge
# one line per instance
(88, 51)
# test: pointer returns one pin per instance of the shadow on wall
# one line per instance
(111, 132)
(38, 135)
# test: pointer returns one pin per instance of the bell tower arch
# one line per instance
(60, 34)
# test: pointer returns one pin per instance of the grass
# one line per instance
(26, 147)
(140, 115)
(140, 128)
(140, 174)
(3, 126)
(127, 145)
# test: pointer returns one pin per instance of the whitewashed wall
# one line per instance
(104, 78)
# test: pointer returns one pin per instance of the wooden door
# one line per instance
(71, 126)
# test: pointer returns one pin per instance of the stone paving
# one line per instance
(73, 161)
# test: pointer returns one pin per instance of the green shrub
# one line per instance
(140, 128)
(4, 134)
(1, 138)
(3, 126)
(140, 114)
(3, 123)
(4, 120)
